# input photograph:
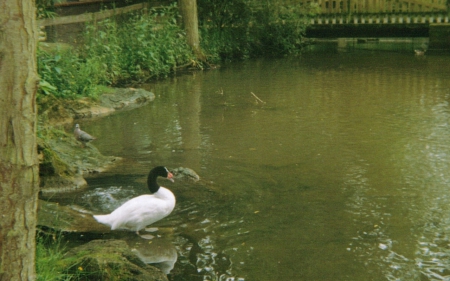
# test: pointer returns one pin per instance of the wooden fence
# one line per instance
(90, 16)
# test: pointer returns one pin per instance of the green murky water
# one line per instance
(341, 174)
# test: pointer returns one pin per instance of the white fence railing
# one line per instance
(424, 18)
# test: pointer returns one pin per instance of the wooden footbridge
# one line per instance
(380, 18)
(339, 18)
(381, 12)
(423, 18)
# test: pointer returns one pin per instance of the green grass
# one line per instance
(49, 253)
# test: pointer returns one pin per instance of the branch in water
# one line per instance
(256, 97)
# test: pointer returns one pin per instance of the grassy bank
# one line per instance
(49, 253)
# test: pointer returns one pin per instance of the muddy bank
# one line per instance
(56, 111)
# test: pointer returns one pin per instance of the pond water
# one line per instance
(328, 166)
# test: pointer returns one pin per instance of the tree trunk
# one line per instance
(188, 10)
(19, 175)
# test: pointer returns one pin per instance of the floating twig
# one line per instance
(256, 97)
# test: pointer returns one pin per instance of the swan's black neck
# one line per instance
(151, 182)
(156, 172)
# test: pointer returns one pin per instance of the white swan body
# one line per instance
(138, 212)
(141, 211)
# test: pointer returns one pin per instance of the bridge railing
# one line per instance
(420, 18)
(377, 6)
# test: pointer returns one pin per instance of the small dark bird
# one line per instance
(82, 135)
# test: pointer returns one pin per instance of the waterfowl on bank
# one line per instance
(141, 211)
(419, 52)
(82, 135)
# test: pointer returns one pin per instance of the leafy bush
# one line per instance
(45, 9)
(281, 28)
(224, 27)
(244, 28)
(147, 44)
(116, 50)
(64, 74)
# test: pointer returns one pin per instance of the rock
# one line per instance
(53, 184)
(63, 111)
(185, 173)
(63, 162)
(67, 219)
(128, 98)
(108, 260)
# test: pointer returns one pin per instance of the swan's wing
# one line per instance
(139, 212)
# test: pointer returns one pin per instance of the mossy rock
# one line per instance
(57, 111)
(108, 260)
(64, 161)
(185, 173)
(126, 98)
(59, 218)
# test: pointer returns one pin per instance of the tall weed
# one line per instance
(49, 252)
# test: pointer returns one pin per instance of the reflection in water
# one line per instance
(340, 175)
(422, 165)
(157, 252)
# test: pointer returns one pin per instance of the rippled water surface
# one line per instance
(335, 168)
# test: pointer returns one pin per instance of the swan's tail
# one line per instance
(103, 219)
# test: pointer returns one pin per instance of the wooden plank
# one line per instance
(81, 3)
(91, 16)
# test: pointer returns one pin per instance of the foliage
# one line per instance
(224, 27)
(49, 253)
(51, 262)
(281, 27)
(45, 9)
(244, 28)
(64, 73)
(146, 44)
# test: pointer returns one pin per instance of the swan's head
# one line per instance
(162, 171)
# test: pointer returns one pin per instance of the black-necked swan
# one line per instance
(141, 211)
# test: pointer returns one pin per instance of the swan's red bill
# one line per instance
(170, 177)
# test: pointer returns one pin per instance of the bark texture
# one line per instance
(188, 10)
(18, 154)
